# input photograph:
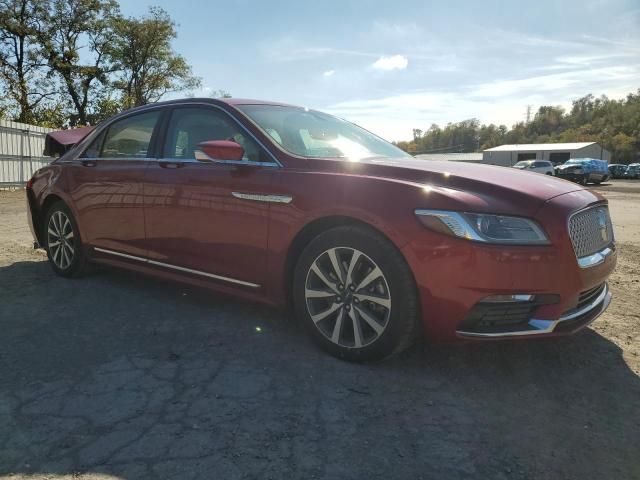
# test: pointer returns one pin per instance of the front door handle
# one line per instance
(89, 163)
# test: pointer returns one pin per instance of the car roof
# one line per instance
(199, 100)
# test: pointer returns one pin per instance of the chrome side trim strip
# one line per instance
(538, 327)
(595, 259)
(257, 197)
(118, 254)
(175, 267)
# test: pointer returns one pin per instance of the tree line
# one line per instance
(614, 124)
(75, 62)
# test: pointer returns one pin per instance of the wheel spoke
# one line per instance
(66, 225)
(373, 274)
(371, 321)
(321, 316)
(385, 302)
(52, 232)
(357, 333)
(54, 244)
(69, 235)
(309, 293)
(56, 253)
(352, 265)
(337, 328)
(336, 264)
(56, 223)
(322, 277)
(66, 258)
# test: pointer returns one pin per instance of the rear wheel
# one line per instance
(63, 244)
(356, 295)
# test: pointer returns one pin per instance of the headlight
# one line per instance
(482, 227)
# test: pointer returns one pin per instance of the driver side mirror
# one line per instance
(218, 150)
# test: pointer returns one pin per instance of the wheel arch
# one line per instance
(49, 200)
(314, 228)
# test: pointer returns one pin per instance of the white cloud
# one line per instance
(328, 73)
(393, 62)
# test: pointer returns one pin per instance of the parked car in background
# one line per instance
(617, 170)
(632, 171)
(291, 207)
(538, 166)
(584, 170)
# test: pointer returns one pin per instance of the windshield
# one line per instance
(310, 133)
(574, 162)
(523, 163)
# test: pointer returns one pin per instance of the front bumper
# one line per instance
(569, 322)
(454, 276)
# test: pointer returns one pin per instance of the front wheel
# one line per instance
(356, 295)
(63, 244)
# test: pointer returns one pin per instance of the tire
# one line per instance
(380, 318)
(584, 180)
(549, 173)
(66, 257)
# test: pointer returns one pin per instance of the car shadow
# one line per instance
(128, 377)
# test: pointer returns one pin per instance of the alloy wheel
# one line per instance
(60, 240)
(348, 297)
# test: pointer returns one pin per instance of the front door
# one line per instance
(209, 218)
(106, 185)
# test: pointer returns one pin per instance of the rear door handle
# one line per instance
(89, 163)
(171, 164)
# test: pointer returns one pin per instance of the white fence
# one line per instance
(21, 148)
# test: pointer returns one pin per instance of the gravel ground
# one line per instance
(120, 376)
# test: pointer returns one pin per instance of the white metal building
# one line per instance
(452, 157)
(508, 155)
(21, 151)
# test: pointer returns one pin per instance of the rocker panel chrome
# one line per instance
(175, 267)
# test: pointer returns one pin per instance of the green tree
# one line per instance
(147, 67)
(74, 42)
(22, 71)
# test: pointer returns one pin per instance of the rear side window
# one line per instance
(190, 126)
(130, 137)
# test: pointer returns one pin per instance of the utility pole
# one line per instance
(528, 113)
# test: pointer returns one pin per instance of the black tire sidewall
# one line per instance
(78, 261)
(404, 310)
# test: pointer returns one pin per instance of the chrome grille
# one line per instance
(590, 230)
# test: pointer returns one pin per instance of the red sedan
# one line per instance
(290, 206)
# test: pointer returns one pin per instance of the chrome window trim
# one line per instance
(175, 267)
(539, 327)
(598, 257)
(224, 162)
(84, 144)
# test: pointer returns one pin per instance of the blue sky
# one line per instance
(392, 66)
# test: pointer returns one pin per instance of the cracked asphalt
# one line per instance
(119, 376)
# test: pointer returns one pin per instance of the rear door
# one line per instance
(106, 185)
(209, 218)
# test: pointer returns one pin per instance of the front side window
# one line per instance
(130, 137)
(309, 133)
(190, 126)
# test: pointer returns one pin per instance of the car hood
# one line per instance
(473, 186)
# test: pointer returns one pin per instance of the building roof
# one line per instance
(452, 157)
(539, 147)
